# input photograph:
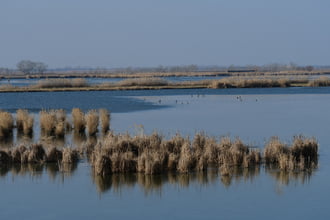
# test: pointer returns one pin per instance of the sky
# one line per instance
(144, 33)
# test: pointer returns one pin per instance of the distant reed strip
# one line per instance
(241, 81)
(61, 83)
(258, 82)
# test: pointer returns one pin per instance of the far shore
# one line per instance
(154, 83)
(105, 74)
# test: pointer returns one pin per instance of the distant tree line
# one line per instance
(30, 67)
(273, 67)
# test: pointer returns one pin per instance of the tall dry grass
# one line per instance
(153, 154)
(300, 155)
(79, 122)
(53, 122)
(6, 124)
(24, 122)
(105, 120)
(92, 122)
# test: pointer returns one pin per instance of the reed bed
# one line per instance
(24, 122)
(257, 82)
(322, 81)
(145, 81)
(61, 83)
(153, 154)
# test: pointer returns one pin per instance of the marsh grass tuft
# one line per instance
(92, 122)
(105, 120)
(6, 125)
(79, 123)
(24, 122)
(53, 122)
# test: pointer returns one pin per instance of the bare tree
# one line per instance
(40, 67)
(28, 67)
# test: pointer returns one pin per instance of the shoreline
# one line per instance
(95, 74)
(188, 85)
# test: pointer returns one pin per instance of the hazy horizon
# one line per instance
(148, 33)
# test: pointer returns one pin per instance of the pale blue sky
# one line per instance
(121, 33)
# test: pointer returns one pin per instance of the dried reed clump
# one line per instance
(153, 154)
(92, 122)
(79, 123)
(36, 154)
(102, 164)
(28, 126)
(52, 123)
(6, 124)
(273, 149)
(301, 155)
(53, 155)
(105, 120)
(69, 155)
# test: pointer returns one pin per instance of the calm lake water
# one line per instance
(252, 114)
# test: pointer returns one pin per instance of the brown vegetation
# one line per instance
(53, 122)
(79, 123)
(105, 120)
(92, 122)
(6, 124)
(150, 81)
(61, 83)
(320, 82)
(257, 82)
(302, 154)
(24, 122)
(152, 154)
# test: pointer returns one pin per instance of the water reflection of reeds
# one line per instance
(155, 184)
(53, 170)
